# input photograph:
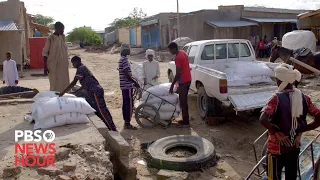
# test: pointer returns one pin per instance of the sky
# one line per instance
(100, 13)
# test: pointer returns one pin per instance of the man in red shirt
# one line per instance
(261, 48)
(183, 77)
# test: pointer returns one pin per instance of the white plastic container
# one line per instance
(299, 39)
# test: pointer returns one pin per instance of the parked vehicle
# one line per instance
(207, 61)
(69, 44)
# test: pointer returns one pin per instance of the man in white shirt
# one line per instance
(151, 70)
(10, 72)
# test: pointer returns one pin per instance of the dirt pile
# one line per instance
(75, 162)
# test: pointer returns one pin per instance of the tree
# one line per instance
(85, 35)
(132, 19)
(43, 20)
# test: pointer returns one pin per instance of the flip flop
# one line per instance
(129, 126)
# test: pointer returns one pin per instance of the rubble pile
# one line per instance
(78, 162)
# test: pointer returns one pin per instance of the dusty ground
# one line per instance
(232, 140)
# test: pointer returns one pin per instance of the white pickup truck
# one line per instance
(207, 61)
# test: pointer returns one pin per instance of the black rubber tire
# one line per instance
(205, 156)
(13, 89)
(138, 112)
(209, 109)
(170, 77)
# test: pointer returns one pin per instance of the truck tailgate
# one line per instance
(251, 98)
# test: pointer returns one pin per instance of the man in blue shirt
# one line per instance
(95, 91)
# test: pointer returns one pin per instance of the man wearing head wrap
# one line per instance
(127, 84)
(56, 61)
(284, 116)
(151, 70)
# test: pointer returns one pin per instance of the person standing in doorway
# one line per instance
(183, 77)
(284, 116)
(151, 70)
(56, 61)
(127, 84)
(10, 72)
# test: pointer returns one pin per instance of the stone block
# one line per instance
(51, 171)
(69, 166)
(168, 174)
(12, 171)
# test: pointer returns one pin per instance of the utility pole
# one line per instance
(178, 19)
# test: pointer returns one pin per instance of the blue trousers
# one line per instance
(127, 104)
(98, 103)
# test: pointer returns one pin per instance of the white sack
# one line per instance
(172, 98)
(50, 94)
(137, 73)
(234, 78)
(158, 90)
(251, 68)
(39, 102)
(163, 115)
(165, 107)
(62, 105)
(60, 120)
(299, 39)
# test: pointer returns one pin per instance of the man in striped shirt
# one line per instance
(127, 84)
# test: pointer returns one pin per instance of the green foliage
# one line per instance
(132, 20)
(43, 20)
(85, 35)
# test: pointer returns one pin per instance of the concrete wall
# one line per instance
(124, 35)
(11, 41)
(10, 10)
(138, 35)
(17, 42)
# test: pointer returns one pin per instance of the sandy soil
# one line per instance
(232, 140)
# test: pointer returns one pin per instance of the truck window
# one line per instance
(185, 49)
(233, 50)
(208, 52)
(192, 54)
(221, 51)
(244, 50)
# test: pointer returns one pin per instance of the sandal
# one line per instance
(129, 126)
(181, 125)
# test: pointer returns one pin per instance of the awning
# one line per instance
(230, 23)
(309, 20)
(271, 20)
(8, 26)
(147, 23)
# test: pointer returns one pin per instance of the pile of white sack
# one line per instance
(167, 110)
(49, 110)
(137, 73)
(242, 73)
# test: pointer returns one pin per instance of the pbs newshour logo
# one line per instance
(32, 151)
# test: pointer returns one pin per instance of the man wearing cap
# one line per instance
(151, 70)
(284, 116)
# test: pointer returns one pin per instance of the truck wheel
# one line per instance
(204, 153)
(170, 77)
(205, 104)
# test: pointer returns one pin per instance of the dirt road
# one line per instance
(232, 140)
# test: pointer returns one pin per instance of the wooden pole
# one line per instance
(316, 71)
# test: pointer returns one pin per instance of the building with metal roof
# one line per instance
(310, 21)
(14, 31)
(236, 22)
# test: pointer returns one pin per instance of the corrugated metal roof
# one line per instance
(8, 26)
(271, 20)
(147, 23)
(274, 10)
(231, 23)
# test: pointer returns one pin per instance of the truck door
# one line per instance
(192, 54)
